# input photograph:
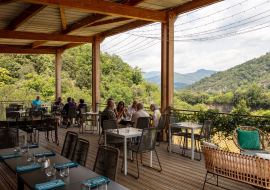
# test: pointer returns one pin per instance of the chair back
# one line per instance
(48, 122)
(81, 151)
(88, 108)
(103, 118)
(110, 124)
(143, 122)
(72, 112)
(8, 136)
(106, 163)
(163, 121)
(13, 105)
(148, 140)
(206, 130)
(10, 114)
(32, 112)
(69, 144)
(25, 124)
(174, 119)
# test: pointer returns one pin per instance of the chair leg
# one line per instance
(205, 180)
(137, 165)
(99, 139)
(38, 137)
(158, 161)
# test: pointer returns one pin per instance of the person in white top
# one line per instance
(134, 119)
(131, 109)
(156, 114)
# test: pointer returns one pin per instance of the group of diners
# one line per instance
(135, 111)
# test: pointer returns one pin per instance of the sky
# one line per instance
(249, 19)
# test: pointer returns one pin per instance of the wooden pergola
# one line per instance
(53, 26)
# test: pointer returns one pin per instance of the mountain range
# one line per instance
(180, 80)
(239, 77)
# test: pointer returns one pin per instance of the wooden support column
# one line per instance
(167, 63)
(58, 68)
(96, 72)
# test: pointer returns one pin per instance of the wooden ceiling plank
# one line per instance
(31, 11)
(113, 21)
(63, 18)
(44, 37)
(107, 7)
(134, 2)
(39, 43)
(85, 22)
(21, 49)
(5, 2)
(192, 5)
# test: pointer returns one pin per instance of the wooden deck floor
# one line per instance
(178, 172)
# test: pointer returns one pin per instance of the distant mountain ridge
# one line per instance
(180, 80)
(239, 77)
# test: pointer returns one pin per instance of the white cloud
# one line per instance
(220, 54)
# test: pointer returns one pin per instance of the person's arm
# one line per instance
(116, 113)
(154, 119)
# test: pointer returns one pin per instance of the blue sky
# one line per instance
(137, 47)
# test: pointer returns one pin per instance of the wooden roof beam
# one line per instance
(31, 11)
(192, 5)
(8, 34)
(5, 2)
(134, 2)
(107, 7)
(106, 22)
(19, 49)
(63, 18)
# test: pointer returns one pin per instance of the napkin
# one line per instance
(52, 153)
(176, 123)
(49, 185)
(10, 156)
(28, 167)
(31, 146)
(96, 181)
(69, 164)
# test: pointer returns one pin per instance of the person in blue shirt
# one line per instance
(37, 103)
(65, 110)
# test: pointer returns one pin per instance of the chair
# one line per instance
(32, 112)
(71, 114)
(69, 144)
(85, 118)
(143, 122)
(162, 124)
(47, 124)
(147, 144)
(12, 105)
(263, 138)
(81, 151)
(26, 125)
(8, 136)
(203, 136)
(106, 162)
(10, 114)
(102, 118)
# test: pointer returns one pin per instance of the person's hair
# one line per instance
(109, 99)
(37, 96)
(110, 102)
(69, 99)
(59, 98)
(135, 100)
(72, 99)
(154, 105)
(81, 101)
(119, 105)
(140, 105)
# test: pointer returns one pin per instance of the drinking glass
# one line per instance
(127, 130)
(25, 149)
(43, 157)
(31, 156)
(84, 187)
(102, 185)
(51, 171)
(189, 122)
(64, 171)
(17, 148)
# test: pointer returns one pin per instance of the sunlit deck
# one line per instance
(178, 172)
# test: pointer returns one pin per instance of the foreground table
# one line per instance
(185, 125)
(31, 178)
(133, 132)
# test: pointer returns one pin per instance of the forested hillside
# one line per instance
(22, 77)
(237, 78)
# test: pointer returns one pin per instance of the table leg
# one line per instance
(105, 139)
(99, 124)
(170, 139)
(125, 156)
(25, 138)
(186, 140)
(192, 144)
(151, 159)
(20, 184)
(55, 133)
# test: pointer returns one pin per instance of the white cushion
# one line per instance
(210, 145)
(261, 155)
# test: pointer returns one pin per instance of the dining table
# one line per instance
(125, 133)
(188, 126)
(30, 178)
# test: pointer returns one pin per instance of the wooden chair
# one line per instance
(263, 138)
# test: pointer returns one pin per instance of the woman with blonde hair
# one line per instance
(156, 114)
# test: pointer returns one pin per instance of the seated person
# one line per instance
(74, 102)
(110, 112)
(37, 104)
(58, 105)
(156, 114)
(134, 119)
(65, 109)
(132, 108)
(120, 110)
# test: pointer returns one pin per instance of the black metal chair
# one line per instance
(102, 118)
(203, 136)
(69, 144)
(8, 136)
(47, 124)
(81, 151)
(106, 162)
(26, 125)
(162, 125)
(32, 112)
(87, 118)
(12, 115)
(111, 124)
(72, 113)
(147, 144)
(143, 122)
